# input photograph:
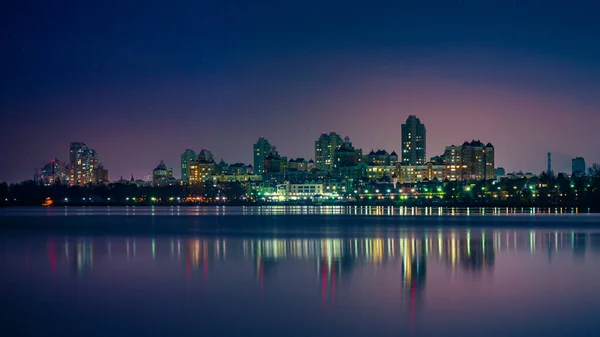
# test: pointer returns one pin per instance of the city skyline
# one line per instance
(150, 81)
(181, 176)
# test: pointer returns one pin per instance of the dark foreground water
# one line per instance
(298, 272)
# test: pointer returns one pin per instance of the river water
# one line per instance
(299, 271)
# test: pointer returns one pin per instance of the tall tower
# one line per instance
(414, 142)
(83, 163)
(186, 157)
(325, 148)
(261, 149)
(549, 163)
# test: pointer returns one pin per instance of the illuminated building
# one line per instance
(578, 166)
(240, 169)
(298, 164)
(379, 158)
(229, 178)
(83, 162)
(200, 171)
(479, 160)
(346, 155)
(203, 168)
(261, 149)
(410, 174)
(221, 168)
(55, 171)
(471, 161)
(325, 148)
(393, 158)
(381, 171)
(310, 165)
(414, 137)
(186, 158)
(455, 169)
(305, 189)
(274, 163)
(355, 172)
(161, 175)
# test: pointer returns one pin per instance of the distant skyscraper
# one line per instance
(549, 171)
(578, 166)
(413, 142)
(186, 158)
(261, 149)
(83, 163)
(325, 148)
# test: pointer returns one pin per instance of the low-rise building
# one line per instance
(411, 174)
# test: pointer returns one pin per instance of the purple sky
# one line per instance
(529, 88)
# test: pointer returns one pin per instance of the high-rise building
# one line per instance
(54, 172)
(549, 171)
(202, 168)
(261, 149)
(578, 166)
(161, 174)
(414, 143)
(453, 160)
(479, 159)
(471, 161)
(186, 157)
(83, 162)
(325, 148)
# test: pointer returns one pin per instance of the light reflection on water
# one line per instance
(470, 249)
(292, 210)
(463, 281)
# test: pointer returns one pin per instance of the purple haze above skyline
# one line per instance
(140, 84)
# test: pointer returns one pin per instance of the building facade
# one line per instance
(186, 158)
(414, 142)
(471, 161)
(161, 175)
(325, 148)
(261, 149)
(346, 155)
(54, 172)
(82, 162)
(411, 174)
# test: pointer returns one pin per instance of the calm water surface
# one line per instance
(298, 272)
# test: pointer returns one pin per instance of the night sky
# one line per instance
(141, 81)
